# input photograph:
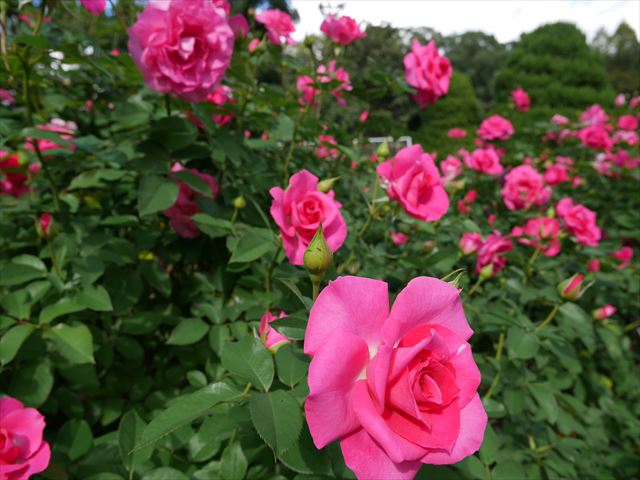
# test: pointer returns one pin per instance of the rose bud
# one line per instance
(318, 256)
(383, 151)
(571, 288)
(239, 202)
(604, 312)
(486, 272)
(325, 185)
(268, 335)
(594, 265)
(45, 227)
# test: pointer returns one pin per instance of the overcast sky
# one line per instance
(506, 19)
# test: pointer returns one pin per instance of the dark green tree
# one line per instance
(622, 57)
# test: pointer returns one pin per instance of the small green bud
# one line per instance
(239, 202)
(326, 185)
(318, 256)
(309, 40)
(383, 151)
(487, 272)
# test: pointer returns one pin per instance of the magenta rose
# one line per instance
(484, 160)
(596, 137)
(492, 252)
(594, 115)
(329, 73)
(604, 312)
(342, 30)
(185, 207)
(524, 187)
(66, 129)
(182, 47)
(412, 178)
(624, 256)
(628, 122)
(428, 72)
(7, 97)
(239, 25)
(450, 167)
(540, 233)
(23, 452)
(278, 24)
(470, 242)
(308, 93)
(521, 99)
(269, 335)
(401, 388)
(495, 128)
(457, 133)
(13, 175)
(300, 209)
(94, 7)
(398, 238)
(580, 221)
(556, 173)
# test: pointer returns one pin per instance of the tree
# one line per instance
(622, 57)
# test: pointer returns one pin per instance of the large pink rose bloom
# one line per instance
(428, 72)
(521, 99)
(495, 128)
(396, 388)
(580, 221)
(300, 209)
(23, 452)
(594, 115)
(628, 122)
(412, 179)
(484, 160)
(182, 47)
(492, 252)
(540, 233)
(596, 137)
(278, 24)
(94, 7)
(185, 207)
(342, 30)
(524, 187)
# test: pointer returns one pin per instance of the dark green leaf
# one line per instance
(156, 194)
(277, 418)
(250, 359)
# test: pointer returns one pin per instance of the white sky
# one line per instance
(506, 19)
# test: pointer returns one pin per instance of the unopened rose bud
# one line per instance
(604, 312)
(487, 272)
(318, 256)
(571, 288)
(46, 227)
(239, 202)
(270, 336)
(326, 185)
(309, 41)
(383, 151)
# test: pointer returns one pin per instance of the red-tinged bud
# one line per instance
(571, 288)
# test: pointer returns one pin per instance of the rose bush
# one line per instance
(160, 211)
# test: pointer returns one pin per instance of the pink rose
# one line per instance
(66, 129)
(253, 45)
(620, 100)
(222, 5)
(45, 223)
(571, 288)
(555, 174)
(219, 97)
(279, 26)
(428, 72)
(524, 187)
(470, 242)
(628, 122)
(6, 97)
(13, 175)
(450, 167)
(491, 219)
(364, 116)
(495, 128)
(300, 209)
(559, 120)
(182, 47)
(457, 133)
(94, 7)
(593, 265)
(269, 336)
(492, 252)
(185, 207)
(594, 116)
(595, 137)
(521, 99)
(604, 312)
(411, 178)
(329, 73)
(580, 221)
(624, 255)
(325, 148)
(23, 452)
(484, 160)
(634, 102)
(305, 85)
(398, 238)
(465, 203)
(624, 136)
(239, 25)
(343, 30)
(402, 388)
(540, 233)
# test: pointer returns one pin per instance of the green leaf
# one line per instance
(522, 345)
(164, 473)
(37, 133)
(12, 340)
(75, 439)
(508, 470)
(233, 463)
(277, 418)
(95, 178)
(32, 383)
(211, 226)
(129, 433)
(543, 393)
(64, 306)
(174, 133)
(194, 181)
(155, 194)
(489, 447)
(184, 410)
(292, 366)
(15, 274)
(96, 298)
(253, 245)
(188, 331)
(304, 457)
(203, 445)
(73, 343)
(283, 128)
(250, 359)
